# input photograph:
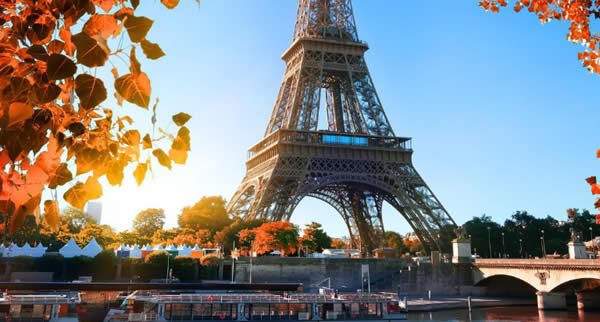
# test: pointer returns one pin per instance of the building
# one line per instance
(94, 209)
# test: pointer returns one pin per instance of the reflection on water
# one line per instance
(513, 313)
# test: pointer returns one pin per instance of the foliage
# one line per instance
(209, 260)
(104, 235)
(50, 262)
(76, 219)
(186, 236)
(79, 266)
(130, 238)
(164, 237)
(155, 265)
(209, 213)
(337, 243)
(315, 238)
(148, 221)
(396, 241)
(22, 264)
(413, 245)
(185, 268)
(51, 117)
(278, 235)
(230, 234)
(104, 265)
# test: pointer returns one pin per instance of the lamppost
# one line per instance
(490, 240)
(543, 244)
(521, 247)
(503, 247)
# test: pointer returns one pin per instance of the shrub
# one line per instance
(130, 267)
(22, 264)
(184, 268)
(104, 265)
(52, 262)
(209, 260)
(79, 266)
(155, 265)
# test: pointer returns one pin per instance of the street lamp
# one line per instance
(490, 240)
(521, 247)
(543, 244)
(591, 233)
(503, 247)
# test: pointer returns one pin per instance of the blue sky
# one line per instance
(502, 115)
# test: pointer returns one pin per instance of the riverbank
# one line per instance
(438, 303)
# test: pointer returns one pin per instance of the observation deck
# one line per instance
(328, 143)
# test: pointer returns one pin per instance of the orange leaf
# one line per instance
(140, 173)
(51, 214)
(162, 157)
(595, 189)
(19, 112)
(134, 88)
(170, 3)
(90, 90)
(178, 156)
(104, 25)
(591, 180)
(89, 52)
(137, 27)
(60, 67)
(28, 208)
(106, 5)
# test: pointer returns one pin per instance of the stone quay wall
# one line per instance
(387, 275)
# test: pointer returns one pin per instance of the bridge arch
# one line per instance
(505, 284)
(577, 284)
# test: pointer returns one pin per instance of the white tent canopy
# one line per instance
(70, 249)
(92, 248)
(135, 252)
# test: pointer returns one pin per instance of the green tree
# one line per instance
(148, 221)
(76, 219)
(396, 241)
(104, 235)
(209, 213)
(315, 238)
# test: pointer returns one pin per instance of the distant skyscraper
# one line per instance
(94, 209)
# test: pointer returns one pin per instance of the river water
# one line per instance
(512, 313)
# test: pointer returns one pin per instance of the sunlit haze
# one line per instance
(502, 115)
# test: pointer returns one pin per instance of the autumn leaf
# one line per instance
(60, 67)
(134, 89)
(591, 180)
(76, 196)
(137, 27)
(178, 156)
(19, 112)
(104, 25)
(162, 157)
(28, 208)
(89, 52)
(170, 3)
(147, 142)
(38, 52)
(55, 46)
(106, 5)
(76, 128)
(140, 173)
(90, 90)
(181, 118)
(62, 176)
(115, 173)
(595, 189)
(132, 137)
(46, 94)
(152, 50)
(51, 214)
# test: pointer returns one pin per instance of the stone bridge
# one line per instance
(550, 279)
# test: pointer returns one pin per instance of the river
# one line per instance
(512, 313)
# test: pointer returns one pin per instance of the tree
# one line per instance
(148, 221)
(396, 241)
(164, 237)
(52, 120)
(76, 219)
(315, 238)
(278, 235)
(209, 213)
(186, 236)
(103, 234)
(339, 244)
(131, 238)
(230, 234)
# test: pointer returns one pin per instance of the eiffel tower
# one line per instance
(358, 162)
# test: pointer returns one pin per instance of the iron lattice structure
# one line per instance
(354, 165)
